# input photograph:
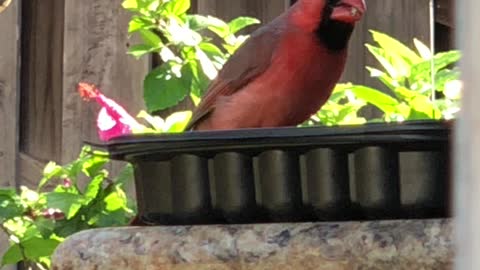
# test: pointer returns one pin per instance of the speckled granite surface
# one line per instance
(423, 244)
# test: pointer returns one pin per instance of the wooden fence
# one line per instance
(48, 46)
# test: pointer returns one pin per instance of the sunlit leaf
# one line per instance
(93, 188)
(150, 38)
(177, 122)
(383, 77)
(423, 108)
(140, 50)
(392, 45)
(422, 70)
(132, 5)
(381, 58)
(177, 7)
(10, 205)
(138, 23)
(422, 49)
(382, 101)
(211, 50)
(207, 65)
(94, 165)
(445, 76)
(155, 121)
(240, 23)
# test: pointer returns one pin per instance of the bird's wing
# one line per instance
(247, 63)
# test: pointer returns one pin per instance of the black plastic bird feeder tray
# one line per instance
(373, 171)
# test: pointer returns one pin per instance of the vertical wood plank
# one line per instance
(264, 10)
(467, 140)
(9, 93)
(95, 47)
(41, 71)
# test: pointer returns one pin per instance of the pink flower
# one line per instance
(112, 120)
(54, 214)
(67, 183)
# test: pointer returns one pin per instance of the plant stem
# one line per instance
(432, 48)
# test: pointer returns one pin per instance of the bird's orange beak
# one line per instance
(349, 11)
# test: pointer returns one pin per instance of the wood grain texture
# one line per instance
(29, 170)
(444, 12)
(9, 84)
(42, 59)
(9, 89)
(95, 44)
(265, 10)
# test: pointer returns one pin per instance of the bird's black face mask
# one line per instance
(333, 34)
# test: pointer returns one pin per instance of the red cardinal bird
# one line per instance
(285, 71)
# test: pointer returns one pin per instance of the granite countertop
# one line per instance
(420, 244)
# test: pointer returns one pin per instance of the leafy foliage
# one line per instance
(189, 57)
(407, 76)
(37, 221)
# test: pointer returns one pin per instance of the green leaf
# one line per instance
(240, 23)
(75, 167)
(12, 256)
(218, 26)
(445, 76)
(383, 77)
(177, 122)
(50, 171)
(94, 165)
(38, 247)
(177, 7)
(207, 65)
(422, 70)
(150, 38)
(406, 94)
(392, 45)
(140, 50)
(181, 34)
(373, 96)
(379, 54)
(115, 200)
(422, 108)
(155, 121)
(44, 226)
(65, 228)
(132, 5)
(68, 203)
(125, 175)
(93, 188)
(10, 206)
(197, 22)
(212, 50)
(422, 49)
(138, 23)
(115, 218)
(163, 88)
